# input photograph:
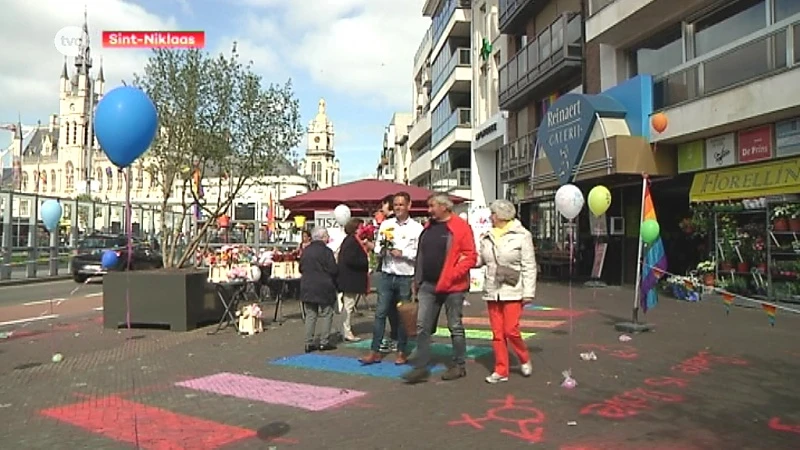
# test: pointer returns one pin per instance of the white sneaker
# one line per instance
(495, 378)
(526, 369)
(350, 337)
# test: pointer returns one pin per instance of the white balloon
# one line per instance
(569, 201)
(342, 214)
(255, 273)
(463, 216)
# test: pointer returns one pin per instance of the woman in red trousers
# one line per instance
(507, 253)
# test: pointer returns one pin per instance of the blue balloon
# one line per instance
(51, 214)
(109, 259)
(125, 123)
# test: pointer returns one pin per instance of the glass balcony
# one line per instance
(462, 57)
(759, 55)
(516, 158)
(460, 118)
(420, 153)
(544, 64)
(513, 14)
(455, 179)
(441, 19)
(426, 40)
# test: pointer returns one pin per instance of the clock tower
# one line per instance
(320, 162)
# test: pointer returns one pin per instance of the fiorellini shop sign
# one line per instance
(758, 180)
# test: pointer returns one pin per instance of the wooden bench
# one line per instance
(551, 261)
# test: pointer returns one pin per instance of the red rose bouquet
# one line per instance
(366, 231)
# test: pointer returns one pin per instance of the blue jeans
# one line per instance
(430, 304)
(391, 290)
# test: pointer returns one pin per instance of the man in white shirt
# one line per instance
(396, 275)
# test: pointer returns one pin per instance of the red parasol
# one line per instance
(362, 196)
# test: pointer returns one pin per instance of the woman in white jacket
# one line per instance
(507, 252)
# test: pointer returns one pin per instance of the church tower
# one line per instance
(78, 95)
(320, 162)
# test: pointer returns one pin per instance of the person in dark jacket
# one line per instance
(318, 289)
(353, 274)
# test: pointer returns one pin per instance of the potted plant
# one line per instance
(759, 256)
(794, 219)
(796, 246)
(739, 285)
(706, 270)
(780, 217)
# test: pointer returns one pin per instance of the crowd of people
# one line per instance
(429, 264)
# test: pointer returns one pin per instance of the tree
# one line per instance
(217, 119)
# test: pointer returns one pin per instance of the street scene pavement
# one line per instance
(703, 379)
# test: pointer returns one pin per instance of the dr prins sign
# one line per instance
(564, 132)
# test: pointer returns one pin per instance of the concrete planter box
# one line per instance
(178, 299)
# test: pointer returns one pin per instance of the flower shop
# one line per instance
(754, 249)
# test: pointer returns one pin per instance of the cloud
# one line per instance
(364, 48)
(31, 64)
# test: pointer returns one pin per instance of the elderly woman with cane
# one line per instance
(318, 289)
(507, 252)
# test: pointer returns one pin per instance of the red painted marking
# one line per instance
(630, 403)
(145, 426)
(559, 313)
(701, 363)
(775, 424)
(634, 402)
(529, 429)
(619, 351)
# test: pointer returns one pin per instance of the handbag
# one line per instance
(408, 316)
(504, 274)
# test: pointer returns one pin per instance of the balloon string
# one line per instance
(129, 232)
(571, 272)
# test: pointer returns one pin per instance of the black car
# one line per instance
(86, 260)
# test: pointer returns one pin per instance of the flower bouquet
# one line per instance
(366, 231)
(684, 288)
(387, 239)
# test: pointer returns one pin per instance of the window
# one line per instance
(53, 181)
(785, 9)
(70, 176)
(24, 181)
(109, 179)
(658, 54)
(140, 177)
(74, 132)
(99, 178)
(36, 181)
(120, 176)
(729, 24)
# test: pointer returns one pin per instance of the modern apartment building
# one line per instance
(419, 132)
(543, 61)
(395, 157)
(488, 121)
(450, 95)
(725, 76)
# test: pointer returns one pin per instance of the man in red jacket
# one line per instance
(445, 255)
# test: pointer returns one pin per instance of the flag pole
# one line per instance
(634, 326)
(637, 294)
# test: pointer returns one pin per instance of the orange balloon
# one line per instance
(659, 122)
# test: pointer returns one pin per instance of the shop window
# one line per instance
(729, 24)
(785, 9)
(659, 53)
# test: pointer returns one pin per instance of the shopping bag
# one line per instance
(408, 316)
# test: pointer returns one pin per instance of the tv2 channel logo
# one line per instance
(68, 40)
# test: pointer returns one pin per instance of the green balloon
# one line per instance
(649, 231)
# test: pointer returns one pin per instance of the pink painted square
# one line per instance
(147, 427)
(298, 395)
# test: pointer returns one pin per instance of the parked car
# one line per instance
(86, 259)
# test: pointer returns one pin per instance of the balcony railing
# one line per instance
(537, 65)
(767, 52)
(462, 57)
(596, 5)
(426, 39)
(420, 153)
(440, 20)
(516, 158)
(513, 12)
(455, 179)
(461, 118)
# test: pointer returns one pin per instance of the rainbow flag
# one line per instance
(727, 299)
(771, 310)
(655, 259)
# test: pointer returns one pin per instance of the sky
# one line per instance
(357, 54)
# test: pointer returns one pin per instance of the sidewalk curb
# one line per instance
(24, 281)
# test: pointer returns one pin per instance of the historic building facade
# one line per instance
(320, 163)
